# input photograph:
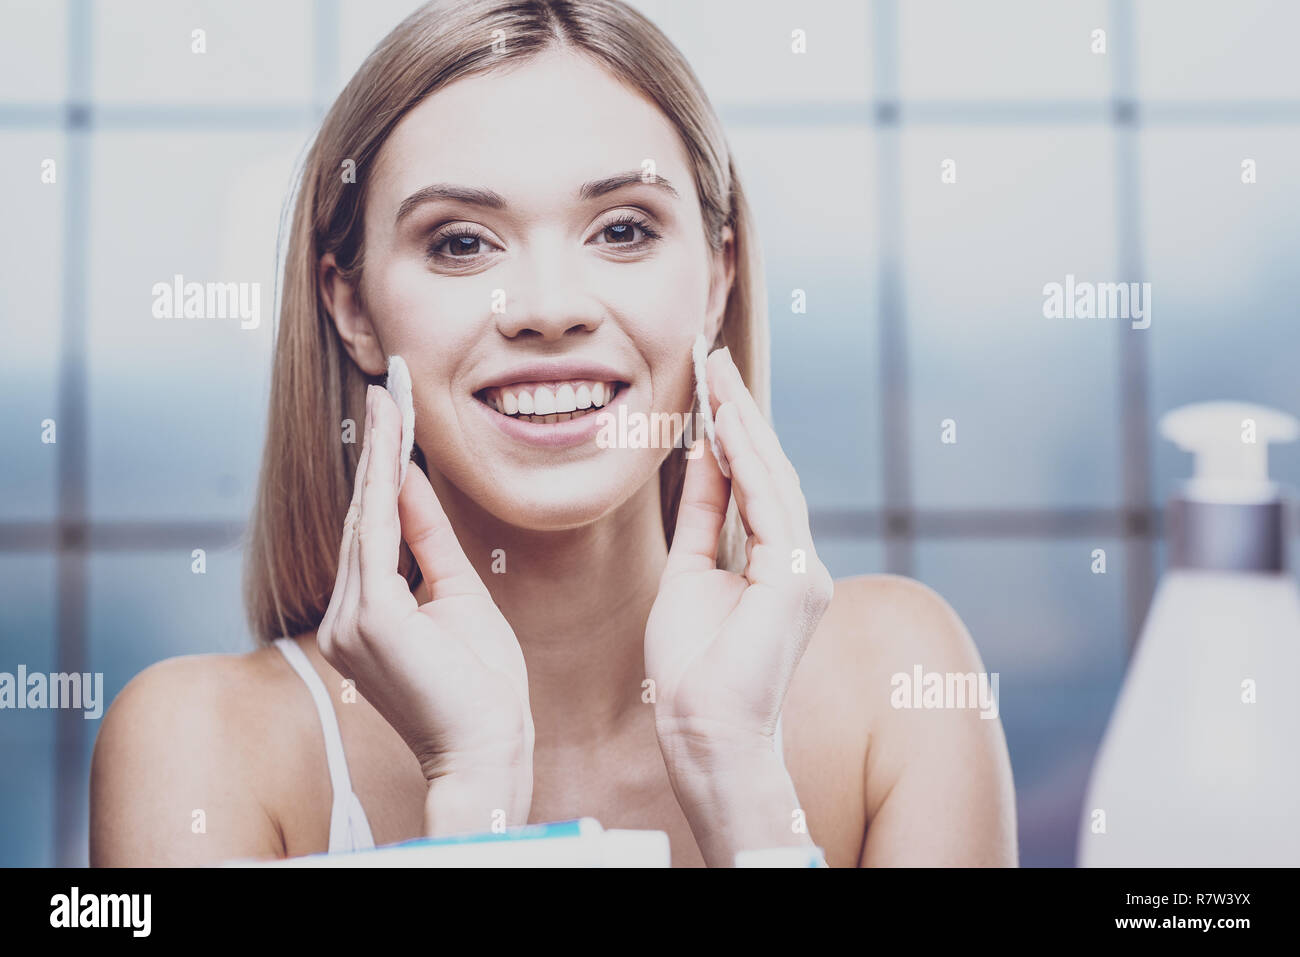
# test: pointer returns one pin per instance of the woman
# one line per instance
(533, 204)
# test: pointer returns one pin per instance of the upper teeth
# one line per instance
(550, 399)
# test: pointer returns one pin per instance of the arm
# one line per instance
(735, 800)
(172, 744)
(938, 781)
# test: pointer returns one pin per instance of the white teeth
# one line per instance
(557, 403)
(543, 401)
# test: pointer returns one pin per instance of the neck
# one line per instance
(578, 601)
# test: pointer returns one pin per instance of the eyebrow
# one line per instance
(485, 197)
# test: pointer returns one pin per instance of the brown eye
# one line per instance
(461, 243)
(622, 231)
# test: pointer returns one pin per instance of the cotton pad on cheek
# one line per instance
(399, 387)
(699, 353)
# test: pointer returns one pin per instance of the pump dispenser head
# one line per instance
(1230, 441)
(1229, 516)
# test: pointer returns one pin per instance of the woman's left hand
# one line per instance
(722, 647)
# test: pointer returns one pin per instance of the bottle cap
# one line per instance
(1230, 442)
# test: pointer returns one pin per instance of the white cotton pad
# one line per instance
(399, 387)
(699, 353)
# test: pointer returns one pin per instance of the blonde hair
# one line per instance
(305, 485)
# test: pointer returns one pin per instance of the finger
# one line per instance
(756, 494)
(345, 572)
(433, 542)
(778, 466)
(701, 513)
(378, 533)
(352, 589)
(731, 388)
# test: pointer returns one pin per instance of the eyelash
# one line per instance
(625, 218)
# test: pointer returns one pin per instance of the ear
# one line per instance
(723, 273)
(350, 318)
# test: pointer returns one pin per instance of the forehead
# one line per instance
(532, 132)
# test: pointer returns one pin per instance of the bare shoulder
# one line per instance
(884, 620)
(936, 782)
(183, 763)
(875, 625)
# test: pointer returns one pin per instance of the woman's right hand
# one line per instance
(446, 671)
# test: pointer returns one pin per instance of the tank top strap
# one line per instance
(349, 828)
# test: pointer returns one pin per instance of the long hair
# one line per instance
(305, 485)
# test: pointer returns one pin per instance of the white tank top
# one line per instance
(349, 829)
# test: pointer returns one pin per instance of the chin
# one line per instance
(567, 496)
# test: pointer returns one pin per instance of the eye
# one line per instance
(462, 242)
(622, 229)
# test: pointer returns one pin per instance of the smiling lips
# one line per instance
(550, 402)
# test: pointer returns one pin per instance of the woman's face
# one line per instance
(516, 258)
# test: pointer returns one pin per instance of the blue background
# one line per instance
(924, 303)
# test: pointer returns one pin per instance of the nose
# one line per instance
(546, 299)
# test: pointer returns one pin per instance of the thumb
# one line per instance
(428, 533)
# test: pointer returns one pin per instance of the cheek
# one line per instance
(432, 326)
(663, 321)
(671, 370)
(407, 303)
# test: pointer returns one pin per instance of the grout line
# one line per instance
(129, 535)
(956, 524)
(858, 111)
(325, 56)
(1132, 345)
(72, 652)
(834, 523)
(891, 357)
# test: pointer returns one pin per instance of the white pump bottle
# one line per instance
(1200, 764)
